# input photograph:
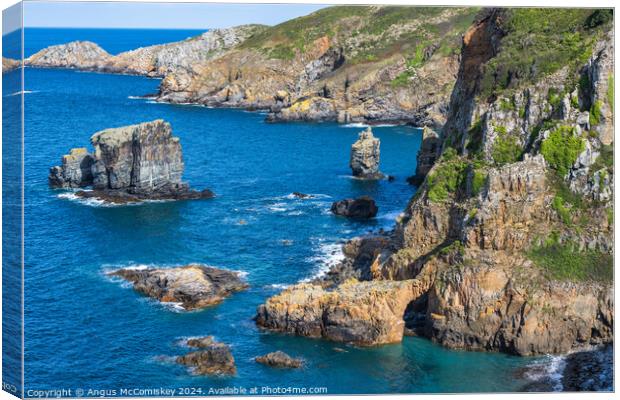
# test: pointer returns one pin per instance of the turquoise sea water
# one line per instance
(84, 330)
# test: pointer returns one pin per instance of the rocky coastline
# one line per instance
(130, 164)
(478, 259)
(506, 246)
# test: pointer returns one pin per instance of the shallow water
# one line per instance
(86, 330)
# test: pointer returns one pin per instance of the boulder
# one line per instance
(129, 164)
(75, 170)
(216, 359)
(193, 286)
(279, 359)
(365, 154)
(362, 207)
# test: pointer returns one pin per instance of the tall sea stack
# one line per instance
(365, 155)
(131, 163)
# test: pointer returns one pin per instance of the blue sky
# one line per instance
(158, 15)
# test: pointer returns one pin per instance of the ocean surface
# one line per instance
(85, 330)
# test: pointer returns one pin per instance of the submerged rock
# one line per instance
(193, 286)
(131, 163)
(362, 207)
(215, 359)
(589, 371)
(365, 155)
(279, 359)
(75, 171)
(201, 342)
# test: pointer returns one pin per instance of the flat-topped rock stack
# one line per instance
(129, 164)
(365, 156)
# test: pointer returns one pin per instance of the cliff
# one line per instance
(345, 64)
(131, 163)
(8, 64)
(509, 238)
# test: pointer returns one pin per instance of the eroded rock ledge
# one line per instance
(129, 164)
(193, 286)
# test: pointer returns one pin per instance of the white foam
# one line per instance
(173, 306)
(92, 202)
(363, 125)
(549, 368)
(327, 255)
(278, 286)
(137, 97)
(21, 92)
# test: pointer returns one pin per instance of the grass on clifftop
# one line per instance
(540, 41)
(375, 32)
(562, 261)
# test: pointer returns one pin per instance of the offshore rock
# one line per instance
(75, 171)
(362, 207)
(193, 286)
(215, 359)
(365, 155)
(279, 359)
(361, 313)
(130, 164)
(201, 342)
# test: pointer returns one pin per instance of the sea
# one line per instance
(87, 331)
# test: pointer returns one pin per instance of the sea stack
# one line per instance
(365, 154)
(129, 164)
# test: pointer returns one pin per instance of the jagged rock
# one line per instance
(130, 164)
(75, 172)
(365, 155)
(302, 195)
(279, 359)
(215, 359)
(201, 342)
(193, 286)
(362, 207)
(362, 313)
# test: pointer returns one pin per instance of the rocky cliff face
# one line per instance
(509, 239)
(130, 163)
(8, 64)
(345, 64)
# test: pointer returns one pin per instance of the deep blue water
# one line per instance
(86, 330)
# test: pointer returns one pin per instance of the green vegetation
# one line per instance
(560, 208)
(475, 137)
(562, 148)
(605, 160)
(478, 180)
(538, 42)
(506, 104)
(563, 261)
(374, 28)
(595, 113)
(446, 178)
(506, 147)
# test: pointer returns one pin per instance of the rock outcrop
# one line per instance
(129, 164)
(192, 286)
(75, 171)
(201, 342)
(215, 359)
(82, 55)
(279, 359)
(362, 207)
(365, 156)
(362, 313)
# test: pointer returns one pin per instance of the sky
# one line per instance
(158, 15)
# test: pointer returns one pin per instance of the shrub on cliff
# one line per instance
(506, 148)
(562, 148)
